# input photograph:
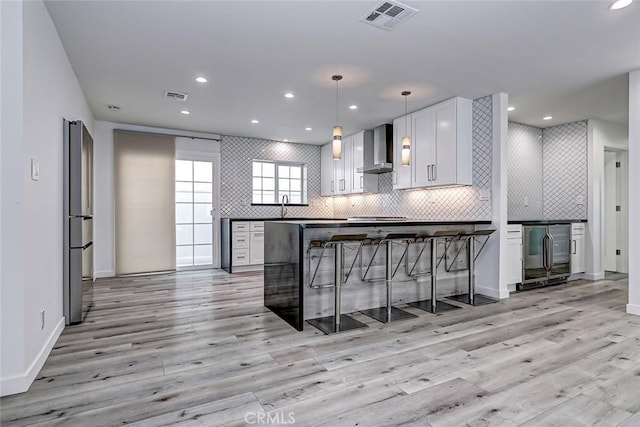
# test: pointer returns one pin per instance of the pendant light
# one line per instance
(337, 129)
(406, 139)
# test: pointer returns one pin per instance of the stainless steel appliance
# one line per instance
(378, 151)
(78, 222)
(546, 254)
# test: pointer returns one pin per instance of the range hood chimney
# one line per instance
(378, 152)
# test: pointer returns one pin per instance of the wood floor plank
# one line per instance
(199, 348)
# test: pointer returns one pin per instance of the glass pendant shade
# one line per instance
(406, 150)
(337, 142)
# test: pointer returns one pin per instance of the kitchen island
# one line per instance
(287, 266)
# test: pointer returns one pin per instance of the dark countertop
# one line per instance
(339, 223)
(547, 221)
(276, 218)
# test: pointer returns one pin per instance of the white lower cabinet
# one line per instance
(578, 259)
(247, 244)
(514, 253)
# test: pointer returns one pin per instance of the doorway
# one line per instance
(194, 213)
(197, 202)
(615, 217)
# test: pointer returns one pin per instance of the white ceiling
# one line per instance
(567, 59)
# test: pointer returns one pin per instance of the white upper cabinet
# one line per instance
(342, 176)
(327, 176)
(441, 146)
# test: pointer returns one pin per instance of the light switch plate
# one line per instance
(526, 201)
(35, 170)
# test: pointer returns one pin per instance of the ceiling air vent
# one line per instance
(176, 95)
(388, 15)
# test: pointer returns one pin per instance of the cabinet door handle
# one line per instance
(575, 247)
(433, 172)
(332, 190)
(428, 172)
(342, 182)
(361, 182)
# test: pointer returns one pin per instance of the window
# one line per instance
(273, 180)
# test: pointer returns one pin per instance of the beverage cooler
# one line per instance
(547, 254)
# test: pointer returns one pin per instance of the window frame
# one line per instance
(304, 196)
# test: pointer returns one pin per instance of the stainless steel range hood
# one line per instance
(378, 153)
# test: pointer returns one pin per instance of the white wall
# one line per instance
(634, 196)
(491, 270)
(11, 297)
(104, 213)
(50, 92)
(600, 135)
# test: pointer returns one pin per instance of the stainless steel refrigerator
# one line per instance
(547, 254)
(78, 221)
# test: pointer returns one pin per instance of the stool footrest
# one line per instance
(477, 299)
(327, 324)
(380, 314)
(441, 306)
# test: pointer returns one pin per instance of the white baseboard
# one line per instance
(633, 309)
(21, 383)
(104, 273)
(594, 276)
(493, 293)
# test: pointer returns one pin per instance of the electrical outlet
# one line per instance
(580, 200)
(35, 170)
(485, 195)
(525, 201)
(42, 319)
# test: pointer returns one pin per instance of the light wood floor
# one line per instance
(198, 348)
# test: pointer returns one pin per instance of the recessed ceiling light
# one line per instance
(547, 118)
(620, 4)
(185, 112)
(308, 128)
(285, 140)
(289, 95)
(511, 108)
(201, 79)
(254, 121)
(353, 107)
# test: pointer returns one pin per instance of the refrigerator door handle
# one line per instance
(550, 254)
(545, 252)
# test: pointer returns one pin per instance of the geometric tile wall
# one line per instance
(564, 159)
(461, 203)
(524, 170)
(559, 155)
(236, 155)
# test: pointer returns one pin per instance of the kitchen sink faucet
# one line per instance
(283, 211)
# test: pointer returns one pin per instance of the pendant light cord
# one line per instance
(337, 104)
(405, 115)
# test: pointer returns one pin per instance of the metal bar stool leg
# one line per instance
(388, 313)
(471, 297)
(432, 305)
(338, 322)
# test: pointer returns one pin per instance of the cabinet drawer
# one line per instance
(240, 240)
(240, 257)
(514, 231)
(577, 229)
(240, 226)
(257, 225)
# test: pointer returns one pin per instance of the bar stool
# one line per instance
(471, 297)
(432, 305)
(388, 313)
(338, 322)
